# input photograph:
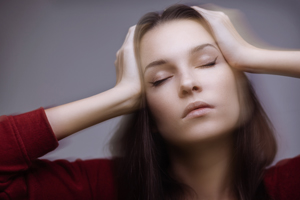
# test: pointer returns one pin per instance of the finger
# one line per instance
(132, 30)
(130, 34)
(197, 8)
(215, 8)
(202, 10)
(207, 14)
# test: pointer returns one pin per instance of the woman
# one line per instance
(198, 133)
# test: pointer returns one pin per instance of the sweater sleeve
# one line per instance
(26, 137)
(283, 180)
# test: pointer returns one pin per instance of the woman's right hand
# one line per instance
(128, 76)
(122, 99)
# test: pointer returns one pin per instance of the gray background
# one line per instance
(55, 52)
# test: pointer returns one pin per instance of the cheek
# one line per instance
(227, 97)
(219, 88)
(161, 104)
(166, 109)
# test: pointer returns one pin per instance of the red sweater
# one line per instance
(25, 137)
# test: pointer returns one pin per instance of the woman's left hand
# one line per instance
(243, 56)
(233, 46)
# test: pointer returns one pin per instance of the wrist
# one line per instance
(247, 59)
(129, 98)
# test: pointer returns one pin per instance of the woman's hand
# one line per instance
(243, 56)
(121, 99)
(233, 46)
(128, 76)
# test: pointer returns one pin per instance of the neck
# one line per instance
(207, 168)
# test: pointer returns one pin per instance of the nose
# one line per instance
(188, 85)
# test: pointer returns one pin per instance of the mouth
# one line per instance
(196, 109)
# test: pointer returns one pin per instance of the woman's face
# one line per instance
(190, 89)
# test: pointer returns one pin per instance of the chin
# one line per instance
(198, 135)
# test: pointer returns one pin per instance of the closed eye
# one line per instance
(157, 83)
(210, 64)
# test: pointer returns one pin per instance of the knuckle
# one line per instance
(223, 15)
(219, 13)
(132, 28)
(127, 47)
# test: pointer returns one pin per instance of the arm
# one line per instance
(123, 98)
(285, 63)
(243, 56)
(27, 136)
(75, 116)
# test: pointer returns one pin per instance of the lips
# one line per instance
(197, 105)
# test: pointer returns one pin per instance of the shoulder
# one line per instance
(283, 179)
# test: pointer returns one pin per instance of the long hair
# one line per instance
(142, 162)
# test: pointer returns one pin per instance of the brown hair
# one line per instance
(141, 164)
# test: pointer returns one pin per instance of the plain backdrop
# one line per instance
(57, 51)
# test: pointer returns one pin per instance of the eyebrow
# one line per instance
(156, 63)
(201, 47)
(192, 51)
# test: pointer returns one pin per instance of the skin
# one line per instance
(239, 54)
(186, 80)
(210, 176)
(200, 147)
(125, 96)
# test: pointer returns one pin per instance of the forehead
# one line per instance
(172, 40)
